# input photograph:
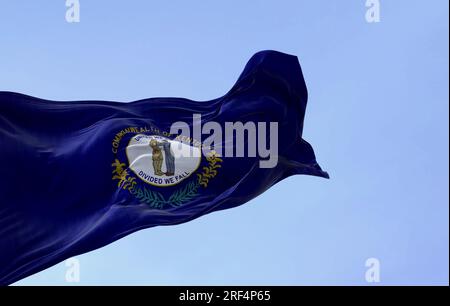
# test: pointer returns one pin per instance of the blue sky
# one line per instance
(377, 118)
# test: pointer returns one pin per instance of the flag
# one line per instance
(76, 176)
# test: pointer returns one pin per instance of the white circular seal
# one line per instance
(160, 161)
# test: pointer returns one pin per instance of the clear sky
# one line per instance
(377, 118)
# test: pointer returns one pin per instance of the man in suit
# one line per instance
(170, 159)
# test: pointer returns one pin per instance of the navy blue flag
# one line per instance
(76, 176)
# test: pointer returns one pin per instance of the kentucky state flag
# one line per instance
(76, 176)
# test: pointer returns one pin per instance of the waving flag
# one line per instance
(76, 176)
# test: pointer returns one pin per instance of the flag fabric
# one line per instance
(76, 176)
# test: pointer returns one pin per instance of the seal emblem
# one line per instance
(159, 169)
(160, 161)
